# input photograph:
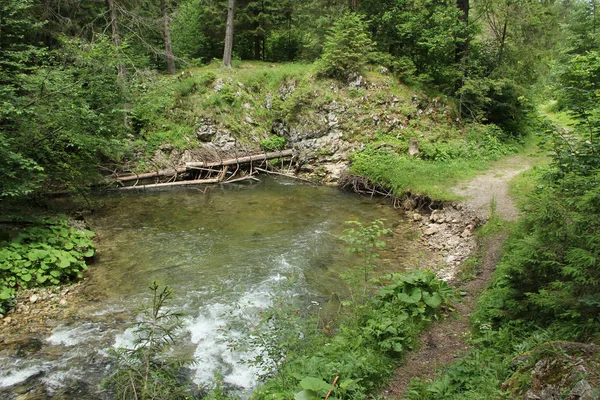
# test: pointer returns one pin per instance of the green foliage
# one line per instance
(498, 101)
(403, 308)
(43, 255)
(274, 143)
(365, 347)
(346, 49)
(149, 370)
(363, 240)
(442, 163)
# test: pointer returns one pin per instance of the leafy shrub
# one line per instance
(403, 307)
(52, 254)
(274, 143)
(346, 47)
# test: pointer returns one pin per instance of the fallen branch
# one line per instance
(155, 174)
(282, 174)
(180, 183)
(335, 381)
(245, 178)
(242, 160)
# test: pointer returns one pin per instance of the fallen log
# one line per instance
(196, 165)
(178, 183)
(242, 160)
(282, 174)
(155, 174)
(245, 178)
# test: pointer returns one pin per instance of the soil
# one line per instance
(445, 341)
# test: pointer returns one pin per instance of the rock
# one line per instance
(332, 119)
(7, 320)
(413, 147)
(434, 216)
(432, 230)
(269, 101)
(219, 85)
(249, 120)
(206, 130)
(417, 217)
(356, 80)
(286, 89)
(34, 298)
(582, 391)
(62, 302)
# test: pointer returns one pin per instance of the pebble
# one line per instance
(34, 298)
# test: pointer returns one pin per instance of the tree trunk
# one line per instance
(116, 37)
(228, 34)
(167, 38)
(502, 41)
(461, 51)
(354, 5)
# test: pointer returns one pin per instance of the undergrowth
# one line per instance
(51, 253)
(355, 359)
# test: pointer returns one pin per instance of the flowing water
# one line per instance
(223, 252)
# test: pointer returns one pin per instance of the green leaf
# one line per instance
(26, 277)
(41, 279)
(36, 254)
(412, 298)
(63, 262)
(89, 252)
(432, 300)
(305, 395)
(5, 293)
(55, 273)
(315, 384)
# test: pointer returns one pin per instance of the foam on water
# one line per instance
(11, 375)
(68, 336)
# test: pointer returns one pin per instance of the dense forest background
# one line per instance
(70, 70)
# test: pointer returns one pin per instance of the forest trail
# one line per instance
(447, 340)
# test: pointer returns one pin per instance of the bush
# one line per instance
(43, 255)
(346, 48)
(274, 143)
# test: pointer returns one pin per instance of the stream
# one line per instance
(223, 252)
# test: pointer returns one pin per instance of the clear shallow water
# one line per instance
(222, 252)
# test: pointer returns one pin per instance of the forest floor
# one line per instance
(446, 341)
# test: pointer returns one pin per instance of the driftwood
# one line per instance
(178, 183)
(242, 160)
(198, 165)
(244, 178)
(155, 174)
(282, 174)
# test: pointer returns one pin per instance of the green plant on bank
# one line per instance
(403, 307)
(442, 163)
(364, 241)
(367, 343)
(48, 254)
(273, 143)
(149, 370)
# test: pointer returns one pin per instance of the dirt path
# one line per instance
(447, 340)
